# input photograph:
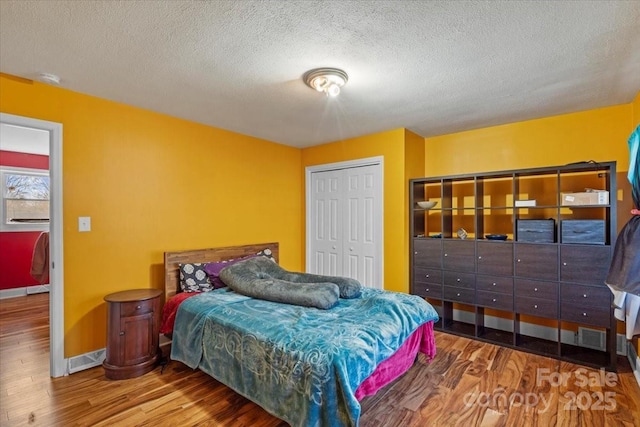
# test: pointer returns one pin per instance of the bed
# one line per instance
(307, 366)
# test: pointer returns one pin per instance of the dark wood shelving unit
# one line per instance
(543, 270)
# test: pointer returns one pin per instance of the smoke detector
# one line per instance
(49, 78)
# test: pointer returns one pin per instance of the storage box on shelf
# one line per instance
(593, 197)
(587, 231)
(550, 270)
(536, 230)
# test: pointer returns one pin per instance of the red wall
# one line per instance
(16, 248)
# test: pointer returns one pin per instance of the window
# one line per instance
(25, 199)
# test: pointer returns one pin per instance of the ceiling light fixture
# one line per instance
(327, 80)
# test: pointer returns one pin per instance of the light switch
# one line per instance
(84, 223)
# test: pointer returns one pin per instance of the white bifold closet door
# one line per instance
(346, 220)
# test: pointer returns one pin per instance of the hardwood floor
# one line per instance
(468, 383)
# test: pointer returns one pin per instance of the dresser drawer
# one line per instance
(136, 308)
(536, 289)
(596, 316)
(537, 307)
(459, 280)
(427, 275)
(427, 290)
(593, 296)
(495, 284)
(463, 295)
(494, 300)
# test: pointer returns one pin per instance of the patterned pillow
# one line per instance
(194, 278)
(267, 252)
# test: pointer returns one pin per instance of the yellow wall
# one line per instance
(153, 183)
(390, 145)
(414, 168)
(599, 135)
(636, 111)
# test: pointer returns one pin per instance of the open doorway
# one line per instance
(58, 365)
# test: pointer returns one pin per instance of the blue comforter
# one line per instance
(301, 364)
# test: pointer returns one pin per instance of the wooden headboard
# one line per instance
(172, 260)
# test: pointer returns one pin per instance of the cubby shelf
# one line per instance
(552, 266)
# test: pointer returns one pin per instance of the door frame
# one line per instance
(368, 161)
(57, 362)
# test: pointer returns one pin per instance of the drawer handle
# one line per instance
(415, 253)
(138, 307)
(458, 294)
(518, 259)
(479, 257)
(427, 290)
(493, 284)
(584, 295)
(494, 300)
(564, 263)
(426, 275)
(446, 254)
(457, 280)
(535, 289)
(121, 333)
(584, 314)
(535, 306)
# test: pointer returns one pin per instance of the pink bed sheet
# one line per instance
(422, 340)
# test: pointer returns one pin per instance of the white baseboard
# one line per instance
(25, 290)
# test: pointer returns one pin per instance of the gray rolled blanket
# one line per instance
(262, 278)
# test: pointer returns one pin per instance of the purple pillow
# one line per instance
(213, 269)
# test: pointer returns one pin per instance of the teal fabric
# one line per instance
(634, 166)
(301, 364)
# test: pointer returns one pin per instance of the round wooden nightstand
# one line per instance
(133, 321)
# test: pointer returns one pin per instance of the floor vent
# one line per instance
(86, 361)
(592, 338)
(621, 344)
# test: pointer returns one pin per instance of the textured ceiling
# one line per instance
(434, 67)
